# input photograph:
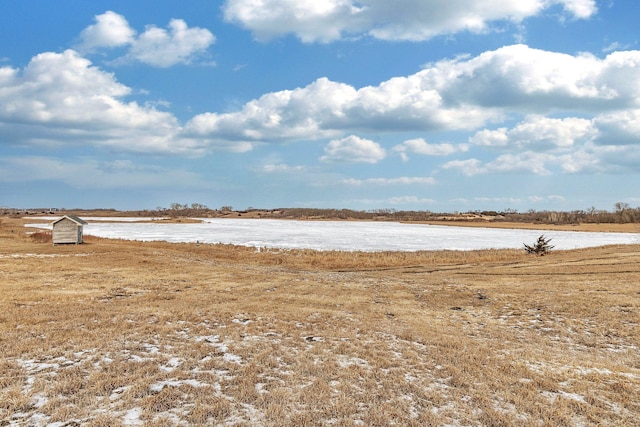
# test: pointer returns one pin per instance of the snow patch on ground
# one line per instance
(178, 367)
(132, 417)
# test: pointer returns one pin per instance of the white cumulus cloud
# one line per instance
(353, 149)
(565, 103)
(580, 9)
(538, 132)
(420, 146)
(403, 180)
(464, 93)
(280, 168)
(156, 46)
(110, 30)
(330, 20)
(313, 112)
(62, 99)
(521, 77)
(619, 128)
(162, 48)
(528, 162)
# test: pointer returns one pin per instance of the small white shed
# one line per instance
(68, 229)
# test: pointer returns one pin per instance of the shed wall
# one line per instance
(67, 231)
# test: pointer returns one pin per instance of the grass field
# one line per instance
(115, 333)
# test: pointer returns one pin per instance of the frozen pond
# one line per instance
(346, 235)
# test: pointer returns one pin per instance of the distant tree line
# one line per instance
(178, 209)
(622, 213)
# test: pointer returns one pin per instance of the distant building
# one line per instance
(68, 229)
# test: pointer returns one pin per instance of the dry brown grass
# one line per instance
(114, 333)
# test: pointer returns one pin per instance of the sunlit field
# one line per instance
(114, 332)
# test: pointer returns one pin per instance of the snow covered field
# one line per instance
(345, 236)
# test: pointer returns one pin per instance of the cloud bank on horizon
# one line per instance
(132, 114)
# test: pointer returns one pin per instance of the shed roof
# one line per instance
(73, 218)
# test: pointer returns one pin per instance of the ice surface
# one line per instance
(348, 235)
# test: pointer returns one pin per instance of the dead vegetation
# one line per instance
(128, 333)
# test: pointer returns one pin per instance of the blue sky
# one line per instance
(440, 105)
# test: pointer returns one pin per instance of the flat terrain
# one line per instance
(126, 333)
